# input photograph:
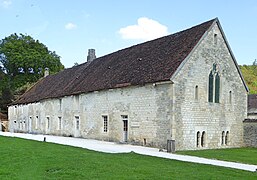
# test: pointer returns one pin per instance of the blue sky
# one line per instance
(71, 27)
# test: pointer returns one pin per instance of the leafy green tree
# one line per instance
(250, 75)
(22, 61)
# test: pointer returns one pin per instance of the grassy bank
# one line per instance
(26, 159)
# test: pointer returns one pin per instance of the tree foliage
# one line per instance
(250, 76)
(22, 61)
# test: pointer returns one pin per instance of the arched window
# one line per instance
(230, 97)
(203, 139)
(215, 39)
(222, 137)
(227, 138)
(217, 88)
(196, 92)
(198, 134)
(210, 87)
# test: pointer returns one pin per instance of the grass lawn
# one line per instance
(243, 155)
(26, 159)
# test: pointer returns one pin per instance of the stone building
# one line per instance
(250, 124)
(185, 88)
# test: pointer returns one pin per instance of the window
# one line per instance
(227, 138)
(214, 85)
(77, 122)
(198, 134)
(48, 123)
(37, 122)
(222, 137)
(105, 119)
(196, 92)
(203, 139)
(210, 87)
(217, 88)
(230, 97)
(20, 125)
(215, 38)
(59, 123)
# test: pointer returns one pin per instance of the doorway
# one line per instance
(125, 128)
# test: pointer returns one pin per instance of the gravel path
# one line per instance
(111, 147)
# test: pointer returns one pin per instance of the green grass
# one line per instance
(242, 155)
(25, 159)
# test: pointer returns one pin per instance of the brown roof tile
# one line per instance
(149, 62)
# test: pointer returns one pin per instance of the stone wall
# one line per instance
(195, 114)
(250, 132)
(148, 109)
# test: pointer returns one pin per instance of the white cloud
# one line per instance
(145, 29)
(70, 26)
(6, 3)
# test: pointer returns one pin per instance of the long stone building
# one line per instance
(185, 89)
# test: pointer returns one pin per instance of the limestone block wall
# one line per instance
(250, 133)
(147, 108)
(193, 113)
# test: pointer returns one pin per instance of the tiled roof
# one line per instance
(252, 103)
(149, 62)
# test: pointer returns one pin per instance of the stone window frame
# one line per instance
(196, 92)
(77, 122)
(47, 122)
(198, 137)
(223, 138)
(227, 138)
(214, 85)
(37, 122)
(201, 139)
(105, 123)
(230, 97)
(59, 123)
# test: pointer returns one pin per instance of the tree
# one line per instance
(23, 60)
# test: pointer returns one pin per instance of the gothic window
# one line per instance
(230, 97)
(217, 88)
(227, 138)
(222, 137)
(214, 85)
(196, 92)
(210, 87)
(203, 139)
(198, 139)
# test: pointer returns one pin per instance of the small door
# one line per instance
(125, 130)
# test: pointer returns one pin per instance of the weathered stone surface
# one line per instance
(250, 134)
